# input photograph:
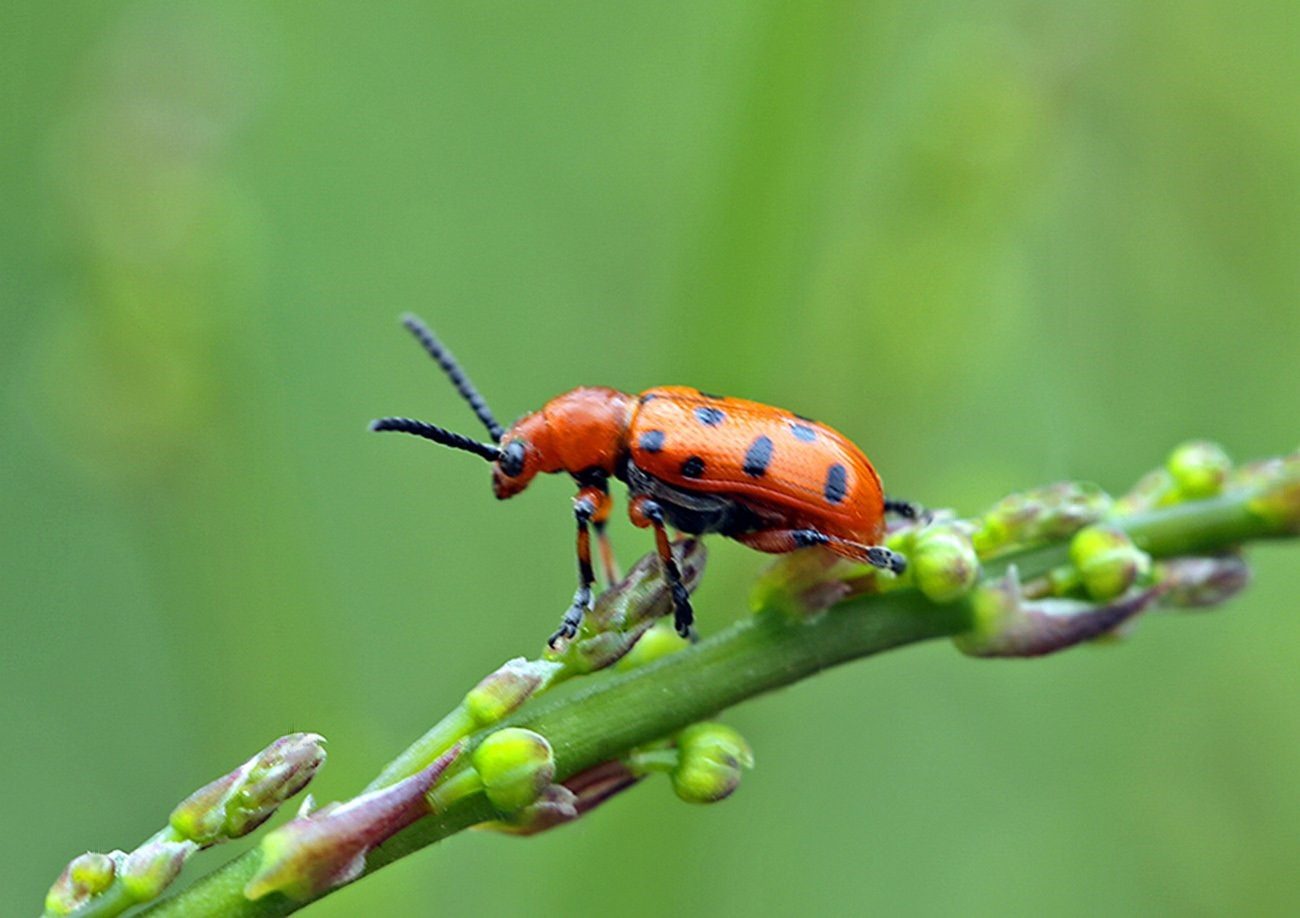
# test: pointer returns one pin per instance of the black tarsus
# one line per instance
(438, 435)
(447, 361)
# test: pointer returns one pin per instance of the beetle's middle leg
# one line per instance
(779, 541)
(644, 512)
(590, 506)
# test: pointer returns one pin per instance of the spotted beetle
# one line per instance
(768, 478)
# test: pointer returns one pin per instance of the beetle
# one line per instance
(770, 479)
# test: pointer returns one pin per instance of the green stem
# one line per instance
(609, 713)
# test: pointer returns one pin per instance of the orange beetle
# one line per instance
(766, 477)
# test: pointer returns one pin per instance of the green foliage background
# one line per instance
(997, 244)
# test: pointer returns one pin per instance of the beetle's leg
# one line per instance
(906, 509)
(779, 541)
(608, 563)
(590, 504)
(646, 512)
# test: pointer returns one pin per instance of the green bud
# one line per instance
(86, 876)
(515, 766)
(239, 802)
(147, 871)
(1199, 469)
(1107, 561)
(505, 690)
(660, 641)
(943, 563)
(712, 759)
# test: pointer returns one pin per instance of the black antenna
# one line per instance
(438, 435)
(457, 376)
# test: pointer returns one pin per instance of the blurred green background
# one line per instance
(997, 244)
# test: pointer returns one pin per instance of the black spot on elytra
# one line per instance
(837, 480)
(648, 397)
(651, 441)
(702, 394)
(803, 432)
(757, 457)
(803, 417)
(709, 416)
(693, 467)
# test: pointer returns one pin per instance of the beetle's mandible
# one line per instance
(766, 477)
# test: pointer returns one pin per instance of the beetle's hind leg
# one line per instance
(906, 509)
(608, 563)
(590, 507)
(644, 511)
(779, 541)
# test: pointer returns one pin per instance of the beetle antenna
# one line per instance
(451, 367)
(438, 435)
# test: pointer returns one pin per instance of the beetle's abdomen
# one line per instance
(766, 457)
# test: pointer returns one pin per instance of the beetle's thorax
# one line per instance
(581, 430)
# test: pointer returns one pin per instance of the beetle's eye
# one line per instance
(512, 458)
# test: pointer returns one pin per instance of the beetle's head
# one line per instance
(525, 450)
(579, 431)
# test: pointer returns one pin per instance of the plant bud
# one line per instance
(712, 759)
(86, 876)
(1107, 561)
(502, 692)
(147, 871)
(515, 766)
(1199, 469)
(237, 803)
(944, 563)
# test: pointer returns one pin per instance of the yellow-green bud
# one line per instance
(944, 563)
(237, 803)
(515, 765)
(86, 876)
(712, 759)
(1199, 469)
(150, 869)
(506, 689)
(1107, 561)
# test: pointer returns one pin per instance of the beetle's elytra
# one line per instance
(766, 477)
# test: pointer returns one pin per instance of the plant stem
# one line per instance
(611, 712)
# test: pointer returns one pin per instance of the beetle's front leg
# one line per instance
(644, 511)
(591, 505)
